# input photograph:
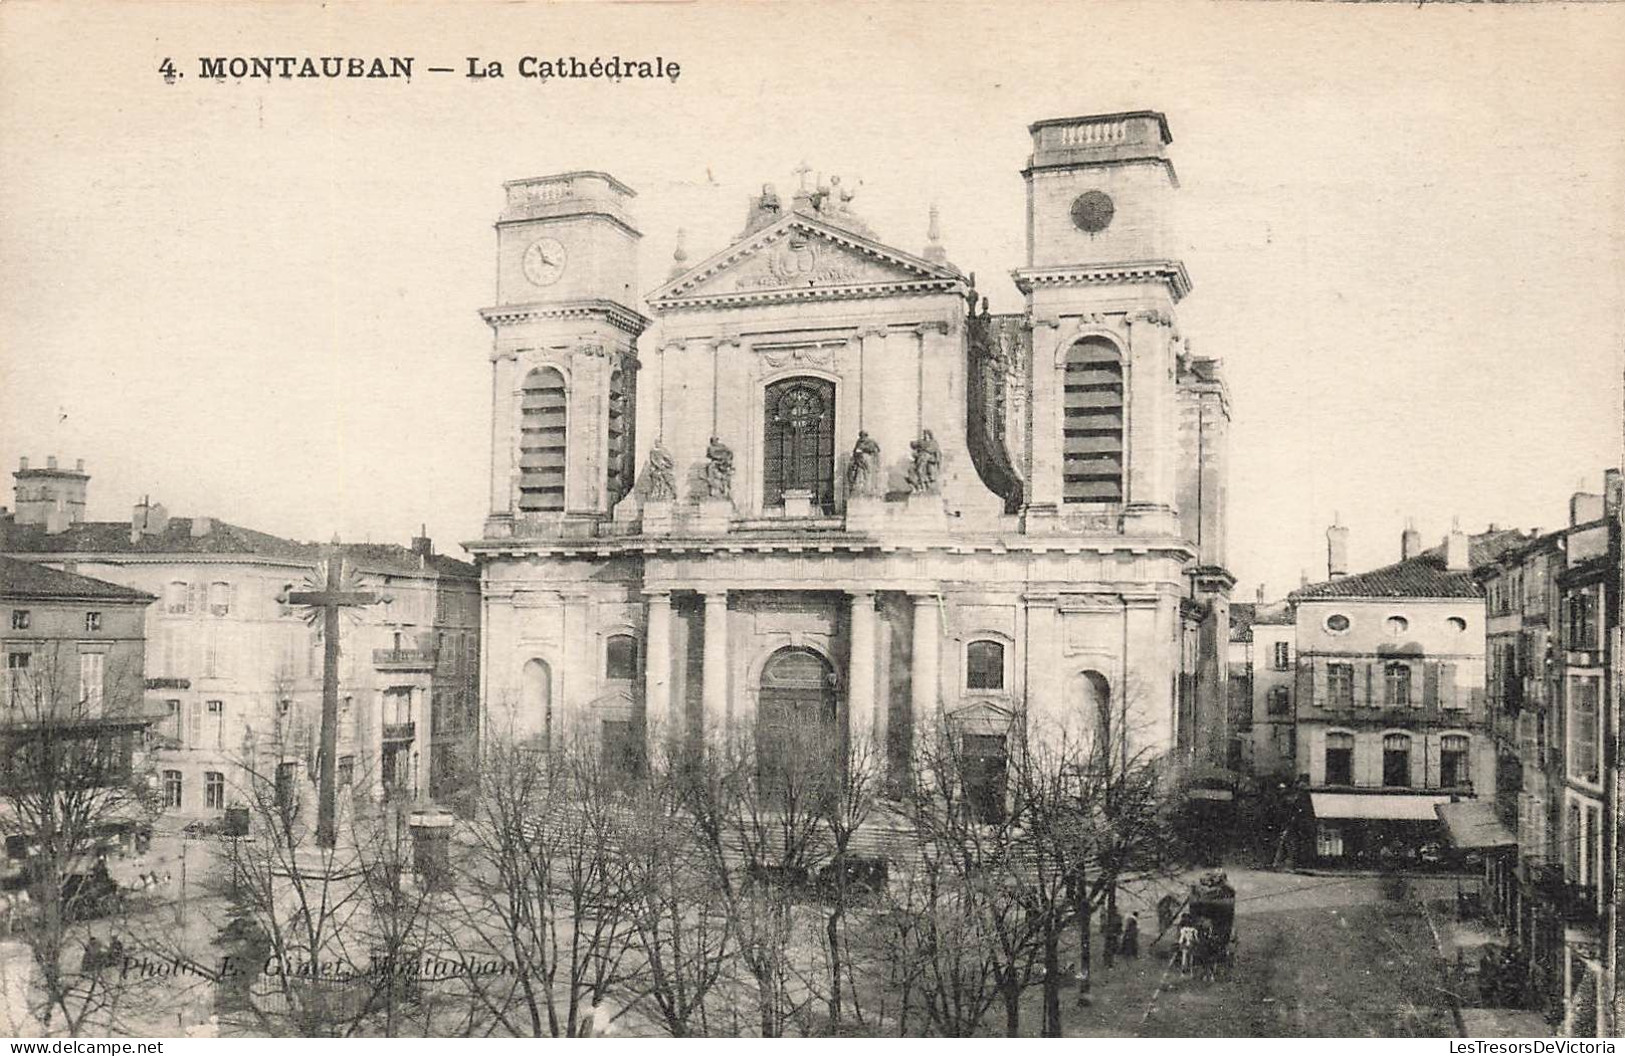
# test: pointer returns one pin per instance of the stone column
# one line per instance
(503, 439)
(860, 671)
(924, 675)
(1048, 378)
(424, 742)
(657, 664)
(715, 672)
(1044, 682)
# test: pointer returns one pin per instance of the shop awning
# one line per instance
(1472, 825)
(1375, 806)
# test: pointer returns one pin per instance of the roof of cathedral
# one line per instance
(1422, 576)
(26, 579)
(201, 535)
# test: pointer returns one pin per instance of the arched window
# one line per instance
(1094, 699)
(542, 442)
(219, 598)
(1396, 761)
(984, 665)
(1092, 429)
(620, 468)
(176, 596)
(1455, 768)
(798, 442)
(621, 657)
(1340, 758)
(535, 696)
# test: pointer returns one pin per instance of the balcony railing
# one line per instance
(400, 732)
(403, 659)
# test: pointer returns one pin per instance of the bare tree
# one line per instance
(69, 777)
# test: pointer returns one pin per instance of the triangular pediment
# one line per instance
(799, 258)
(615, 699)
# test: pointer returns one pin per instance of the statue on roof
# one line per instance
(719, 469)
(659, 476)
(925, 474)
(863, 469)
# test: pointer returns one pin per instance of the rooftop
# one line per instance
(1422, 576)
(209, 536)
(27, 580)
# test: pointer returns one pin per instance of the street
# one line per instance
(1318, 956)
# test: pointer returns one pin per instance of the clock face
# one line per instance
(1092, 211)
(544, 261)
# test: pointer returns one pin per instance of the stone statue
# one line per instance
(659, 476)
(863, 471)
(719, 469)
(925, 475)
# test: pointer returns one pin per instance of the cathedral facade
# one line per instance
(809, 479)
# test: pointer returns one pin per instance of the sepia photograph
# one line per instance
(812, 520)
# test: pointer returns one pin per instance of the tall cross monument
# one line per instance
(328, 594)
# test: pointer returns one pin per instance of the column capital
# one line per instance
(658, 594)
(713, 595)
(922, 597)
(873, 330)
(858, 593)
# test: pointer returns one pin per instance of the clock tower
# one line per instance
(565, 353)
(1101, 280)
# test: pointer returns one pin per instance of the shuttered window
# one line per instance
(1092, 427)
(620, 469)
(542, 442)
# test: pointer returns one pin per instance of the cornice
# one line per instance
(619, 316)
(1170, 272)
(793, 295)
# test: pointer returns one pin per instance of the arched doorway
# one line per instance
(798, 443)
(797, 731)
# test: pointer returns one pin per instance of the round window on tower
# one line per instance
(1092, 211)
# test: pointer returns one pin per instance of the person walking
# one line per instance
(1131, 937)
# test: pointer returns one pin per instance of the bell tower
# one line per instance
(564, 361)
(1101, 281)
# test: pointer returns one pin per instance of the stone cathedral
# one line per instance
(809, 479)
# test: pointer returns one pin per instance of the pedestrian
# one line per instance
(1131, 936)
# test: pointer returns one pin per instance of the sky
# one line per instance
(1405, 226)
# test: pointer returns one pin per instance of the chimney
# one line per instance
(1584, 507)
(22, 463)
(1337, 550)
(1456, 550)
(422, 545)
(1613, 492)
(148, 518)
(1410, 541)
(202, 526)
(50, 461)
(1261, 593)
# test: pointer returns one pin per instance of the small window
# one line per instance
(621, 657)
(21, 619)
(217, 707)
(283, 706)
(214, 790)
(984, 665)
(172, 788)
(1283, 656)
(1457, 624)
(93, 621)
(1280, 701)
(1337, 623)
(1397, 625)
(175, 597)
(219, 599)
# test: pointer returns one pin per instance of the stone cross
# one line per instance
(323, 603)
(801, 172)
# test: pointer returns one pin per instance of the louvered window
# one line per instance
(619, 474)
(1093, 424)
(542, 442)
